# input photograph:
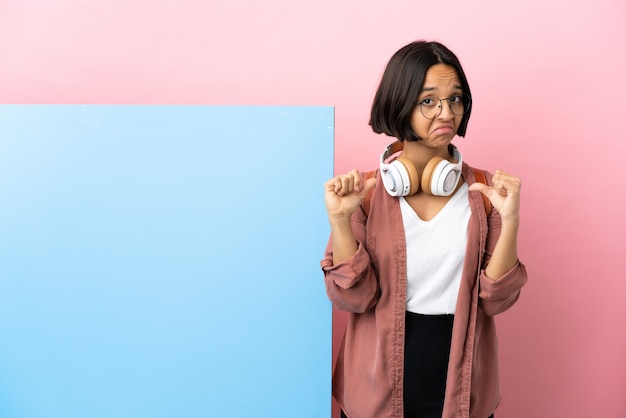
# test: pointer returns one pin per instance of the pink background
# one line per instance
(549, 97)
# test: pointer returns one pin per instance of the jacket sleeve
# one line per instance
(352, 285)
(498, 296)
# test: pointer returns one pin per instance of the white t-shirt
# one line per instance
(435, 255)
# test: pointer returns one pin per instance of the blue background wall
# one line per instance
(163, 261)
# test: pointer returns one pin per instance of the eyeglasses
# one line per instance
(431, 107)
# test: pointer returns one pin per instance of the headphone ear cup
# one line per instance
(414, 179)
(429, 173)
(400, 177)
(441, 177)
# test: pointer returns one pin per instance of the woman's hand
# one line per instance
(504, 195)
(344, 194)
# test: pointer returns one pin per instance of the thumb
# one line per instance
(367, 186)
(479, 187)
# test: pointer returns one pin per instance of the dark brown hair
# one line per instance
(402, 83)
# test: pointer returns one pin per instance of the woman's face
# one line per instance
(441, 82)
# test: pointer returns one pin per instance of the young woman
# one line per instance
(416, 258)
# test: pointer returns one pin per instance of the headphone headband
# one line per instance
(393, 148)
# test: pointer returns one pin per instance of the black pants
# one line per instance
(426, 353)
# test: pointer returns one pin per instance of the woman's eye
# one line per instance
(456, 99)
(428, 101)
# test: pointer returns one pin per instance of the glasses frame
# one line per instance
(467, 103)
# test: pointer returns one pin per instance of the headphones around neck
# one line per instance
(400, 178)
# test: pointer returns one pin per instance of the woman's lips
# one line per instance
(444, 129)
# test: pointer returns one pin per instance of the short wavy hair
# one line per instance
(402, 83)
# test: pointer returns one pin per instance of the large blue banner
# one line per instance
(163, 261)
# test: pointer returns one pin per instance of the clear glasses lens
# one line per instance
(431, 107)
